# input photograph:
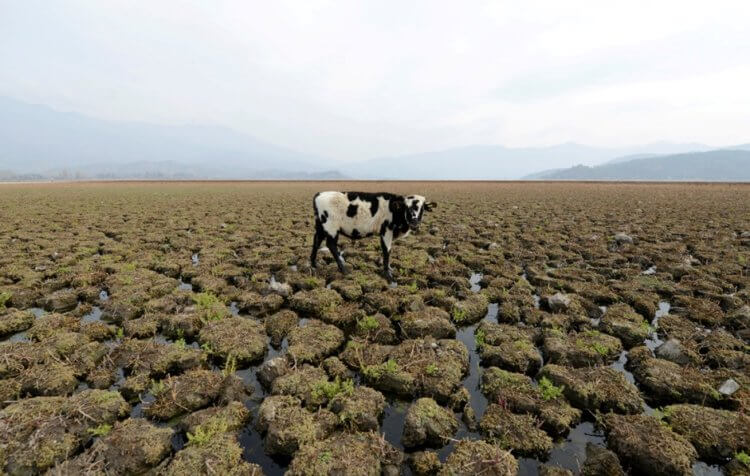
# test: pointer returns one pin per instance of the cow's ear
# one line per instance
(429, 206)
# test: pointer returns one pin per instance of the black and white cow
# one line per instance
(359, 214)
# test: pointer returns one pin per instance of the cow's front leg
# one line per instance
(386, 240)
(334, 249)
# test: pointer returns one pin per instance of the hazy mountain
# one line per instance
(36, 139)
(627, 158)
(493, 162)
(714, 165)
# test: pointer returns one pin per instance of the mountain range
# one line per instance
(724, 165)
(38, 142)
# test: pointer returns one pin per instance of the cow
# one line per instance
(359, 214)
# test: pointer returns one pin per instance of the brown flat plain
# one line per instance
(177, 327)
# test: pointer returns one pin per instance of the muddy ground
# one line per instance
(532, 329)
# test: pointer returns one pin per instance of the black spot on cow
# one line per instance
(324, 217)
(355, 234)
(352, 210)
(372, 198)
(384, 227)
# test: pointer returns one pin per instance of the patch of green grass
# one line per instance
(4, 298)
(376, 371)
(206, 300)
(459, 314)
(743, 458)
(432, 370)
(101, 430)
(204, 433)
(325, 457)
(180, 343)
(210, 306)
(312, 282)
(549, 390)
(329, 390)
(230, 366)
(104, 397)
(412, 288)
(368, 323)
(479, 338)
(120, 334)
(157, 387)
(522, 345)
(600, 348)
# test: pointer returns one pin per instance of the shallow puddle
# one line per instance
(93, 316)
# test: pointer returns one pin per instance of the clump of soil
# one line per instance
(155, 359)
(424, 463)
(667, 382)
(98, 331)
(358, 353)
(479, 457)
(279, 324)
(510, 431)
(48, 325)
(430, 321)
(581, 349)
(601, 389)
(508, 347)
(61, 301)
(519, 395)
(233, 416)
(219, 453)
(424, 367)
(716, 434)
(359, 409)
(240, 338)
(190, 391)
(648, 447)
(347, 453)
(601, 461)
(13, 321)
(315, 303)
(288, 426)
(376, 328)
(427, 423)
(257, 305)
(36, 433)
(272, 369)
(133, 446)
(146, 326)
(699, 310)
(470, 310)
(623, 322)
(335, 368)
(314, 342)
(301, 383)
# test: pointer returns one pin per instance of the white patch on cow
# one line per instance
(388, 239)
(337, 204)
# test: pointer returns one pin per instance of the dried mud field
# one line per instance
(176, 328)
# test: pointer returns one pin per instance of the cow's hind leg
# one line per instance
(385, 246)
(334, 249)
(317, 240)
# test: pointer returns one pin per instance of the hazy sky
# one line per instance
(353, 80)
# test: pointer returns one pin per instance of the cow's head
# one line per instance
(416, 205)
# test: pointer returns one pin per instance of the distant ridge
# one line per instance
(724, 165)
(38, 142)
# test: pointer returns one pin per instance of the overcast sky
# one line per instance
(352, 80)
